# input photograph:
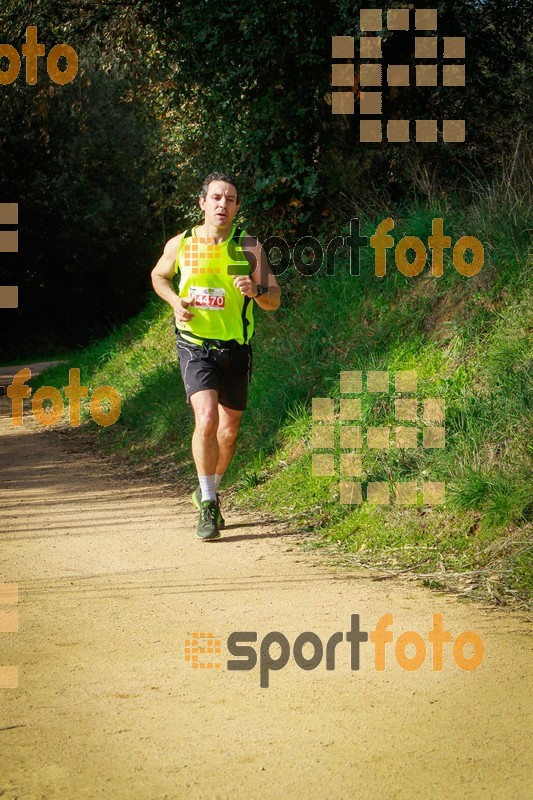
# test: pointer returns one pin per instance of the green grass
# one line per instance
(469, 339)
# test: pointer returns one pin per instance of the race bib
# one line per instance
(210, 299)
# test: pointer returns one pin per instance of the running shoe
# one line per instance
(207, 524)
(197, 500)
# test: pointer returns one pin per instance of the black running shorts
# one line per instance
(225, 367)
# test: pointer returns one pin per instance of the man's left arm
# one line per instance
(261, 275)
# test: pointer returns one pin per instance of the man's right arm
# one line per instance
(162, 275)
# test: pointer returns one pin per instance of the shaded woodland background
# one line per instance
(107, 168)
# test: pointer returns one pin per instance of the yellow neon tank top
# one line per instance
(206, 271)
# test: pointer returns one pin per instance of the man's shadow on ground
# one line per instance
(244, 536)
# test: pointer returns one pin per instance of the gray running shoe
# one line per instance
(197, 500)
(207, 525)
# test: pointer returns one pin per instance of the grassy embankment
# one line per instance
(467, 338)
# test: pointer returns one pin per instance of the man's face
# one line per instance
(220, 204)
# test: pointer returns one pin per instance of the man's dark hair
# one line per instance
(218, 176)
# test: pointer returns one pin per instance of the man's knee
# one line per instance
(206, 424)
(228, 428)
(227, 434)
(206, 421)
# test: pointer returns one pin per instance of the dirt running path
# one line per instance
(111, 582)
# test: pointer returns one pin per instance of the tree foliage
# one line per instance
(107, 167)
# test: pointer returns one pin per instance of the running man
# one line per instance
(223, 272)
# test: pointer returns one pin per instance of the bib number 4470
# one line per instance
(212, 299)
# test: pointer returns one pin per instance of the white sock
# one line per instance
(218, 478)
(207, 485)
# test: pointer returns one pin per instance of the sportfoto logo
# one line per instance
(308, 255)
(373, 74)
(409, 649)
(351, 435)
